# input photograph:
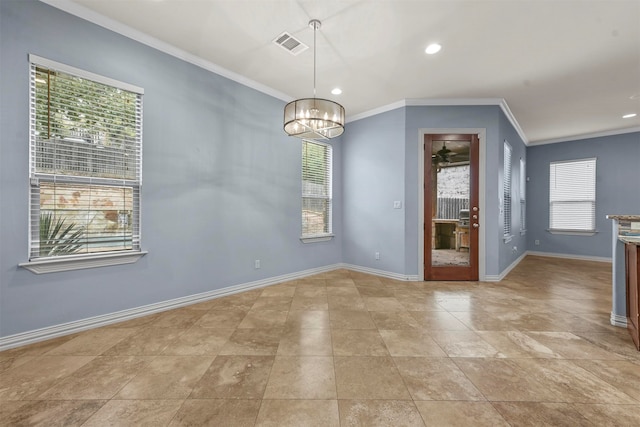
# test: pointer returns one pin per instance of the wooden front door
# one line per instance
(451, 207)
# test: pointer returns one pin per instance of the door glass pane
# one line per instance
(451, 187)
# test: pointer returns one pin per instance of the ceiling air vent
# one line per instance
(290, 44)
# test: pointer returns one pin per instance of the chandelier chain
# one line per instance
(316, 25)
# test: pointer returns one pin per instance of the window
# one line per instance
(523, 196)
(572, 196)
(85, 163)
(316, 190)
(506, 190)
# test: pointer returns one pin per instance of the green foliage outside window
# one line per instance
(85, 160)
(314, 163)
(316, 188)
(70, 106)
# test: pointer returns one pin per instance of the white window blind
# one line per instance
(572, 195)
(506, 189)
(85, 162)
(316, 189)
(523, 195)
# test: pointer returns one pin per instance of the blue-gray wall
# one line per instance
(381, 161)
(433, 117)
(617, 191)
(510, 250)
(221, 180)
(373, 171)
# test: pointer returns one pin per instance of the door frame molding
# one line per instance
(482, 141)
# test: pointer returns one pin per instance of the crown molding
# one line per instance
(124, 30)
(612, 132)
(512, 119)
(412, 102)
(376, 111)
(440, 102)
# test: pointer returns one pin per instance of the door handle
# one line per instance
(475, 209)
(475, 225)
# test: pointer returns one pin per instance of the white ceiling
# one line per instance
(565, 68)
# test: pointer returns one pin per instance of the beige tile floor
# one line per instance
(347, 349)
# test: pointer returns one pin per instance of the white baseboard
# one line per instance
(617, 320)
(55, 331)
(499, 277)
(570, 256)
(381, 273)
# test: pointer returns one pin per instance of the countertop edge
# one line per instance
(624, 217)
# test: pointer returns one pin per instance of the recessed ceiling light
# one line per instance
(336, 91)
(433, 48)
(628, 116)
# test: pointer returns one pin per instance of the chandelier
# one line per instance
(314, 118)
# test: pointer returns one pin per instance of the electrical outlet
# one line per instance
(537, 242)
(397, 204)
(257, 263)
(377, 255)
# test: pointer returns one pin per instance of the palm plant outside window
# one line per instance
(85, 162)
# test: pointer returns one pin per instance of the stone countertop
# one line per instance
(624, 217)
(630, 239)
(628, 228)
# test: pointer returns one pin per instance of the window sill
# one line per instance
(315, 239)
(55, 265)
(574, 232)
(523, 232)
(507, 238)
